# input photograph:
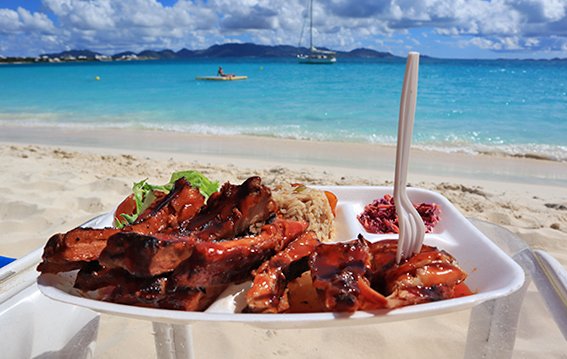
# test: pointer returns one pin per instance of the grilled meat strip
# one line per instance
(339, 272)
(192, 299)
(230, 212)
(146, 255)
(220, 263)
(142, 292)
(180, 205)
(93, 276)
(136, 269)
(68, 251)
(118, 286)
(268, 293)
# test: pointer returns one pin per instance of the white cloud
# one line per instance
(531, 42)
(110, 26)
(82, 15)
(540, 10)
(131, 25)
(13, 21)
(9, 21)
(22, 29)
(482, 43)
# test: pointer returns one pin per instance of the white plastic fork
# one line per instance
(412, 229)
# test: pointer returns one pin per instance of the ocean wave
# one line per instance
(529, 150)
(448, 143)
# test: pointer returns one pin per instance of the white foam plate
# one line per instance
(492, 273)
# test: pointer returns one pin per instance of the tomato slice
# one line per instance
(127, 206)
(333, 200)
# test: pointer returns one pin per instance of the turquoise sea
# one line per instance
(476, 106)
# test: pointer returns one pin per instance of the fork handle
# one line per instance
(405, 121)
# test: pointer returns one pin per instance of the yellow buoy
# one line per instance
(97, 78)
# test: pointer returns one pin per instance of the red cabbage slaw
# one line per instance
(380, 216)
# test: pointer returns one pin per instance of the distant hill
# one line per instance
(220, 51)
(366, 53)
(185, 53)
(246, 50)
(158, 55)
(225, 50)
(254, 50)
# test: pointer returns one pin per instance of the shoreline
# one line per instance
(368, 158)
(544, 152)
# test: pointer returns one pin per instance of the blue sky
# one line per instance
(440, 28)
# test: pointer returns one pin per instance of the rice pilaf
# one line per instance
(299, 202)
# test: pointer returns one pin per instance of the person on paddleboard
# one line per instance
(221, 73)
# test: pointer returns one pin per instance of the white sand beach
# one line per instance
(53, 180)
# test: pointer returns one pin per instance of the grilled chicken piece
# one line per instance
(231, 211)
(428, 276)
(220, 263)
(383, 254)
(68, 251)
(359, 275)
(146, 255)
(339, 272)
(268, 293)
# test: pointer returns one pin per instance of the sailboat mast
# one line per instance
(314, 56)
(311, 25)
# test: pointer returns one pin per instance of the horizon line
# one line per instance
(423, 55)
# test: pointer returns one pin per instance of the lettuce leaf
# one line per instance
(197, 179)
(144, 192)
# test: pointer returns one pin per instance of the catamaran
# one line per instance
(315, 56)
